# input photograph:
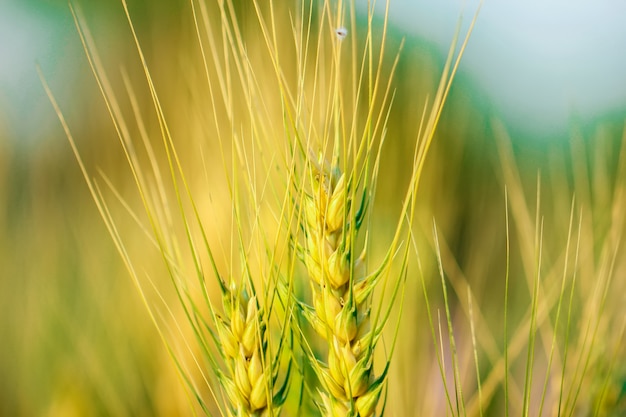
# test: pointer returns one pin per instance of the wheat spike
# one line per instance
(249, 383)
(341, 296)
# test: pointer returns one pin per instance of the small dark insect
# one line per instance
(341, 33)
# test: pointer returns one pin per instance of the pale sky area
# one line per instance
(538, 62)
(27, 37)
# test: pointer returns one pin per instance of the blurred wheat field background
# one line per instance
(526, 233)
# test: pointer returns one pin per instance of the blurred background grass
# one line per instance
(76, 339)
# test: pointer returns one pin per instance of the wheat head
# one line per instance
(341, 292)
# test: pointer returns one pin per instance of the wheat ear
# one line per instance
(250, 381)
(341, 296)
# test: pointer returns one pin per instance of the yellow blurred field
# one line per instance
(76, 337)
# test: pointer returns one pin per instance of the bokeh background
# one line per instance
(530, 97)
